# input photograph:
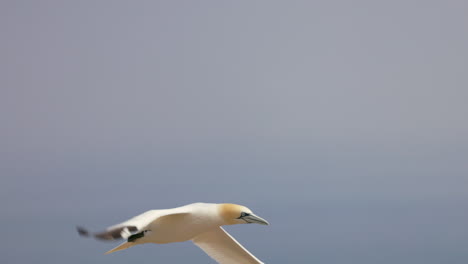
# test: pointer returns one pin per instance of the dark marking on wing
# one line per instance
(136, 236)
(82, 231)
(112, 234)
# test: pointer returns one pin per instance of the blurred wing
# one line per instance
(133, 226)
(222, 247)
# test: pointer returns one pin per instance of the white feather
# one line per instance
(222, 247)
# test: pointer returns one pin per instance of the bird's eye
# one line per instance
(243, 214)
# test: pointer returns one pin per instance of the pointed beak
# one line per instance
(253, 219)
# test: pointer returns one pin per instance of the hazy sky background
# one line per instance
(343, 123)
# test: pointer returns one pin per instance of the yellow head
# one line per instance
(237, 214)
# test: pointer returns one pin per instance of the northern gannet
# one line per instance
(199, 222)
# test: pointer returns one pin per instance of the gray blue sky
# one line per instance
(344, 123)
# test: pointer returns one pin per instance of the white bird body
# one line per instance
(199, 222)
(174, 225)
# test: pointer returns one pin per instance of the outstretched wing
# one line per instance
(110, 233)
(132, 228)
(223, 248)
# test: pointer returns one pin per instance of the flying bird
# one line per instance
(199, 222)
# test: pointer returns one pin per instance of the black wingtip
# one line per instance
(82, 231)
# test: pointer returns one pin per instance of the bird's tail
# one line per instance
(122, 246)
